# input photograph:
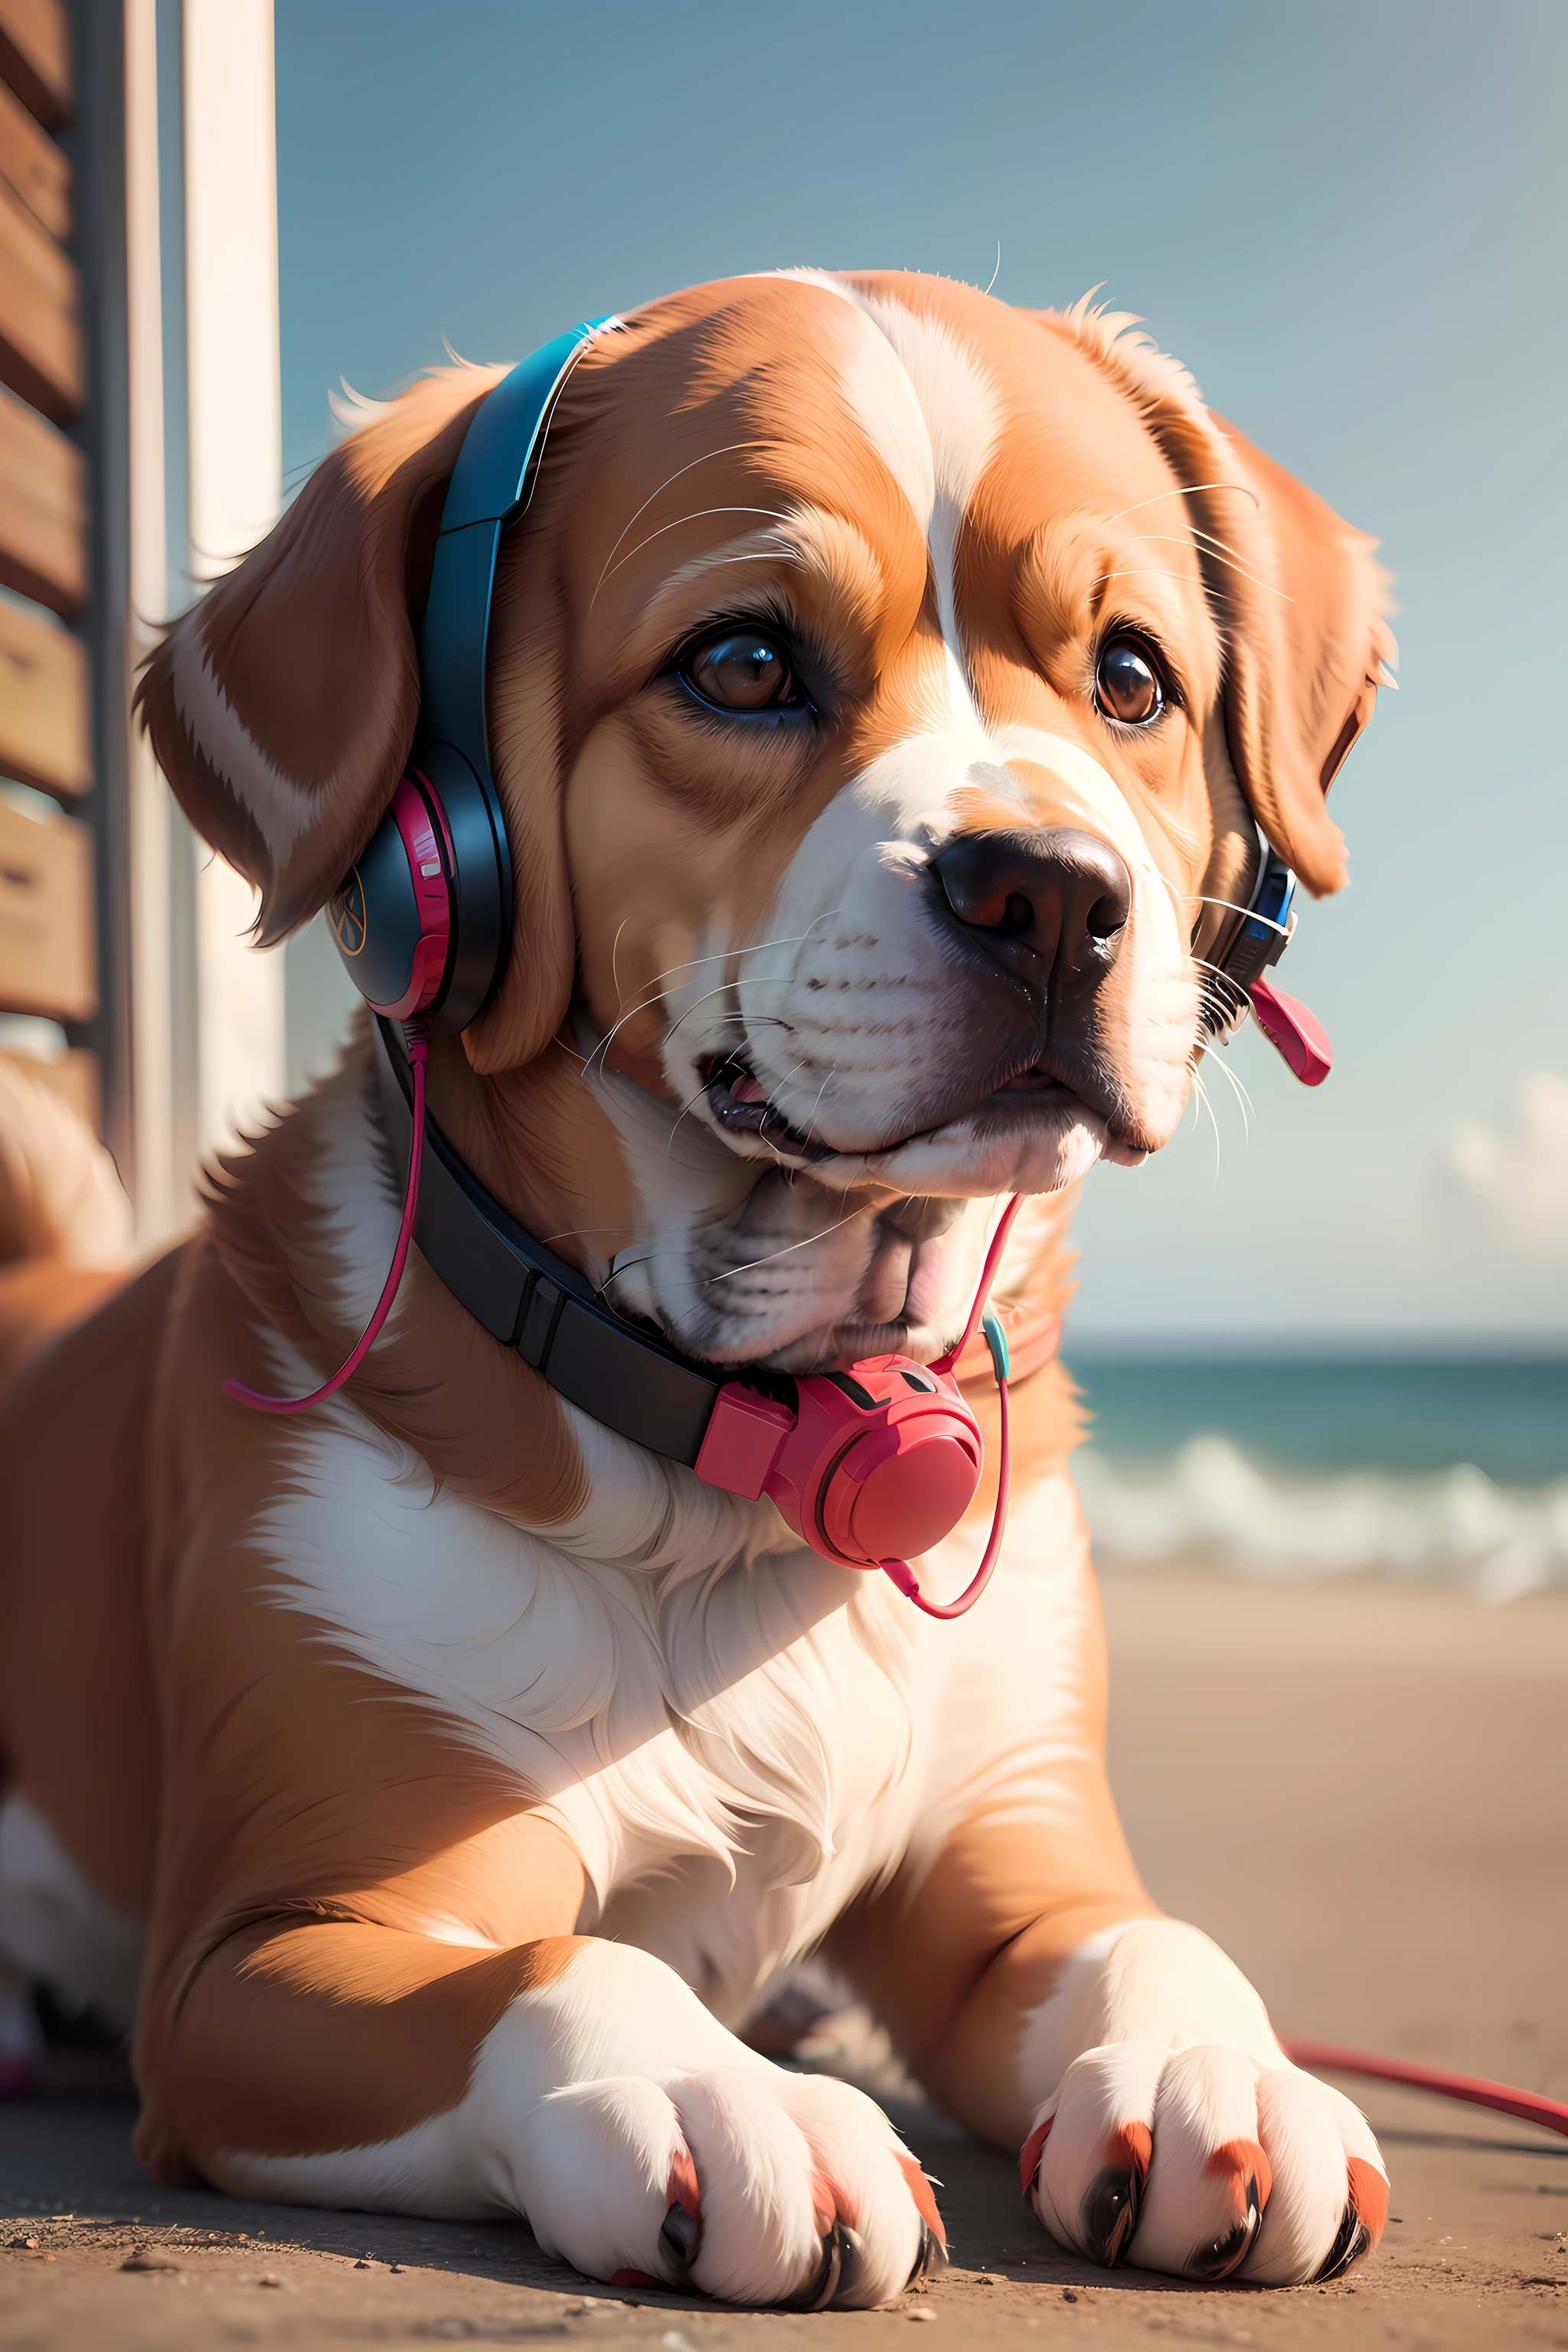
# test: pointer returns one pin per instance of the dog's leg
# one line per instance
(573, 2081)
(1041, 1995)
(363, 1982)
(1175, 2129)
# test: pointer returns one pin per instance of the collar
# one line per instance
(532, 1300)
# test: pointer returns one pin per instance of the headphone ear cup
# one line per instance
(393, 918)
(878, 1462)
(478, 861)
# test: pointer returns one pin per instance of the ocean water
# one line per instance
(1453, 1470)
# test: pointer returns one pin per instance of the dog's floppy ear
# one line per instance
(1306, 644)
(1298, 597)
(282, 706)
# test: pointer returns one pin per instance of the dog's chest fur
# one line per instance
(735, 1736)
(725, 1729)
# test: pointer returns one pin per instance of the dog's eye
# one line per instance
(743, 670)
(1126, 684)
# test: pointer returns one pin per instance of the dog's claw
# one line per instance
(680, 2235)
(931, 2259)
(824, 2285)
(1351, 2241)
(1029, 2155)
(1223, 2254)
(1108, 2214)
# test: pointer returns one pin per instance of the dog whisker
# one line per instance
(1174, 539)
(616, 1272)
(781, 554)
(684, 1112)
(1223, 996)
(753, 1021)
(1243, 1099)
(722, 956)
(785, 1251)
(1197, 899)
(1190, 490)
(614, 950)
(809, 1130)
(698, 514)
(1128, 572)
(738, 982)
(1200, 1095)
(727, 450)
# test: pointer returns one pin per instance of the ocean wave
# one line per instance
(1209, 1498)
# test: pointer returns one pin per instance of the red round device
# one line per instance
(874, 1465)
(882, 1460)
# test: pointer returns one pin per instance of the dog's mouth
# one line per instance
(740, 1106)
(738, 1102)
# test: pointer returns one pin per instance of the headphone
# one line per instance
(1257, 940)
(424, 922)
(867, 1465)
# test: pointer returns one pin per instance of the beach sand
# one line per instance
(1362, 1791)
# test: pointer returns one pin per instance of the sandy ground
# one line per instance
(1362, 1792)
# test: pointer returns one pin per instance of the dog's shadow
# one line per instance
(68, 2152)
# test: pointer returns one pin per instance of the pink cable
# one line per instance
(903, 1575)
(1325, 2058)
(418, 1046)
(900, 1569)
(987, 1276)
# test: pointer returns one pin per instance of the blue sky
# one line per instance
(1349, 222)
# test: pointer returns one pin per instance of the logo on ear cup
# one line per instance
(345, 912)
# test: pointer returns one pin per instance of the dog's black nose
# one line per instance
(1062, 893)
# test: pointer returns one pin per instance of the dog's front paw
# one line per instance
(743, 2182)
(1203, 2162)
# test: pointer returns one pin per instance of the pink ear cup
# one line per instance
(880, 1462)
(1297, 1035)
(890, 1476)
(427, 871)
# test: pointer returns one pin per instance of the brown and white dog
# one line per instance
(879, 686)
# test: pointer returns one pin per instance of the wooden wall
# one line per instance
(48, 927)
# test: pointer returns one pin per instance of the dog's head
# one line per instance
(879, 684)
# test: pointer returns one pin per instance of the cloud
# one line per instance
(1519, 1173)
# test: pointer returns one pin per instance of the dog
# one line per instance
(884, 684)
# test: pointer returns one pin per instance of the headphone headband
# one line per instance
(491, 485)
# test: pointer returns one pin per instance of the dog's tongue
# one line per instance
(1296, 1035)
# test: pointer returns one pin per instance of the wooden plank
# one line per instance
(35, 166)
(72, 1075)
(47, 956)
(40, 333)
(43, 705)
(36, 58)
(43, 510)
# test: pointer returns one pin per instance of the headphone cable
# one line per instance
(417, 1038)
(980, 1314)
